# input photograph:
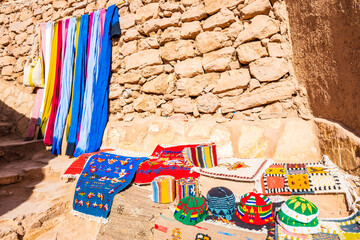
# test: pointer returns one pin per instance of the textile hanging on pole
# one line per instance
(102, 22)
(49, 89)
(56, 95)
(91, 76)
(79, 85)
(67, 80)
(46, 50)
(34, 114)
(68, 121)
(99, 115)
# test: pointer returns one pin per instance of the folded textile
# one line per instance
(171, 153)
(238, 169)
(203, 156)
(152, 168)
(78, 165)
(334, 229)
(104, 175)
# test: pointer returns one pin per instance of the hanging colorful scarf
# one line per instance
(79, 85)
(67, 79)
(35, 114)
(68, 121)
(46, 39)
(99, 115)
(104, 175)
(57, 86)
(49, 90)
(91, 76)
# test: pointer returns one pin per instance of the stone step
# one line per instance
(5, 128)
(15, 149)
(36, 169)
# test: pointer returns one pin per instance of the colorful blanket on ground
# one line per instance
(236, 169)
(300, 178)
(331, 229)
(77, 166)
(104, 175)
(236, 223)
(152, 168)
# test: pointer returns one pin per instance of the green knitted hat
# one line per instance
(300, 209)
(291, 225)
(191, 210)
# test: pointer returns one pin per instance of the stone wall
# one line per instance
(341, 145)
(284, 140)
(326, 47)
(186, 59)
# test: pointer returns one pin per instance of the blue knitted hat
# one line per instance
(221, 202)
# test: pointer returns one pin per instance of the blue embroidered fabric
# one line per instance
(103, 176)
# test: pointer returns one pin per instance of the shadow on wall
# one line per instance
(21, 163)
(326, 48)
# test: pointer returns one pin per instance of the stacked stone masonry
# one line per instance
(185, 59)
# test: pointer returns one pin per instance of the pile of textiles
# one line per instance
(165, 161)
(73, 106)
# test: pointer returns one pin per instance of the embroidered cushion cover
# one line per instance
(255, 208)
(221, 202)
(191, 210)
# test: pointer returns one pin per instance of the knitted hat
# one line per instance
(191, 210)
(292, 225)
(255, 208)
(300, 209)
(221, 202)
(298, 215)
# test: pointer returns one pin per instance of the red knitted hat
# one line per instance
(255, 208)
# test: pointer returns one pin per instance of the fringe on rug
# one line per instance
(70, 176)
(257, 179)
(89, 217)
(352, 199)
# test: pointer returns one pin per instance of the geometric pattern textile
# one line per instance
(303, 178)
(237, 169)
